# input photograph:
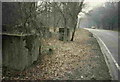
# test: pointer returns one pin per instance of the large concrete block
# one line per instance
(19, 52)
(62, 34)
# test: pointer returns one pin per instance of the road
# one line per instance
(110, 41)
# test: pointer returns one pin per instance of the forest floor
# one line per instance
(80, 59)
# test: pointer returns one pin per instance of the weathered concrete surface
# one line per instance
(62, 34)
(19, 51)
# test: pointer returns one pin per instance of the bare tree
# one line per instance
(74, 9)
(61, 11)
(105, 17)
(18, 16)
(69, 12)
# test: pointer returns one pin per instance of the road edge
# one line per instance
(108, 57)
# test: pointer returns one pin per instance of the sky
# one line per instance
(90, 4)
(95, 3)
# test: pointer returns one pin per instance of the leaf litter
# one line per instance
(77, 60)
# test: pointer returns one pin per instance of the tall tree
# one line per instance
(105, 17)
(69, 12)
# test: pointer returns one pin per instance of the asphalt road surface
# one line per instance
(110, 40)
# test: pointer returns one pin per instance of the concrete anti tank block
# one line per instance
(19, 52)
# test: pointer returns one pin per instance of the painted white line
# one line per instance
(110, 61)
(116, 64)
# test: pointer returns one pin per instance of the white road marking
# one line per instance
(113, 66)
(116, 64)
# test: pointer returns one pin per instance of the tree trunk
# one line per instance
(73, 33)
(65, 30)
(76, 23)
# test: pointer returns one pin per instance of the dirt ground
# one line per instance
(78, 60)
